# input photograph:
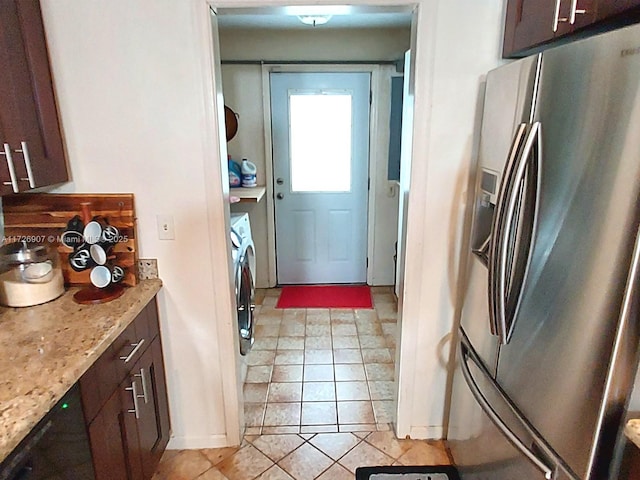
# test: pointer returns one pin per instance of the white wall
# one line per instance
(135, 91)
(457, 43)
(242, 86)
(129, 81)
(314, 44)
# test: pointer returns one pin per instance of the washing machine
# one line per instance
(244, 268)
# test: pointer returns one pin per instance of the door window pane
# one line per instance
(320, 136)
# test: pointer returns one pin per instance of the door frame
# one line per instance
(374, 70)
(411, 312)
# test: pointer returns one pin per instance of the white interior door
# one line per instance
(320, 130)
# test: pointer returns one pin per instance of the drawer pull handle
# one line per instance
(12, 170)
(143, 379)
(136, 346)
(134, 393)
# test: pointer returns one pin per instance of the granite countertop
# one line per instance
(45, 349)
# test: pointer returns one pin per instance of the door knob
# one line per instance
(280, 196)
(279, 181)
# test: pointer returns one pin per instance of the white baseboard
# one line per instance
(195, 443)
(427, 433)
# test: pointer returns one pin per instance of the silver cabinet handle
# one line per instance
(134, 393)
(572, 14)
(466, 353)
(143, 380)
(12, 170)
(136, 346)
(27, 162)
(556, 16)
(575, 11)
(498, 220)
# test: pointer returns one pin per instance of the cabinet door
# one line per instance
(161, 401)
(28, 115)
(15, 89)
(130, 392)
(528, 23)
(611, 8)
(153, 421)
(110, 437)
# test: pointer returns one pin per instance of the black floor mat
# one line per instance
(444, 472)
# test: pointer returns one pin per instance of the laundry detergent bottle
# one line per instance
(248, 170)
(235, 175)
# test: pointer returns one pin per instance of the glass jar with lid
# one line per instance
(30, 274)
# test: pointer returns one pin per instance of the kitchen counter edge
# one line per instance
(47, 348)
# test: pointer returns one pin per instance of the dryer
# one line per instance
(244, 268)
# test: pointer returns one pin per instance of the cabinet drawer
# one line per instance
(113, 366)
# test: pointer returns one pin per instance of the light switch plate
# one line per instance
(165, 227)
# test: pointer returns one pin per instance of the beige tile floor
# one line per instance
(321, 370)
(318, 399)
(322, 456)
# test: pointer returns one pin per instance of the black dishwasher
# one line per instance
(56, 449)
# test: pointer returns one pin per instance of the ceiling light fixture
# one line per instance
(314, 20)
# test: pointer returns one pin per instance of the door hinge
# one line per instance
(367, 262)
(370, 97)
(368, 184)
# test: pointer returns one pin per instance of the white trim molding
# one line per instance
(196, 443)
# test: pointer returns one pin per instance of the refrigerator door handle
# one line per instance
(528, 163)
(498, 221)
(466, 353)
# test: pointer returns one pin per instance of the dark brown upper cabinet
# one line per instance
(528, 22)
(31, 149)
(532, 25)
(611, 8)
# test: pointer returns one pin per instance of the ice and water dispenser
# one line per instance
(486, 198)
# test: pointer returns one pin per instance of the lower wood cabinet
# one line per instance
(131, 428)
(152, 420)
(108, 439)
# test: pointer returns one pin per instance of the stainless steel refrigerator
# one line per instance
(549, 332)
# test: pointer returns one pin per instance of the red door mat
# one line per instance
(325, 296)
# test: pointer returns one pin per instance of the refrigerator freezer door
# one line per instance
(497, 444)
(509, 100)
(482, 452)
(556, 368)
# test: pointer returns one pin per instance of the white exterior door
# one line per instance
(320, 133)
